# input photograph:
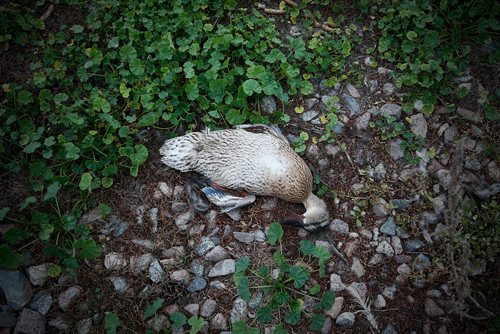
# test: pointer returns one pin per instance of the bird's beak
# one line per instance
(297, 221)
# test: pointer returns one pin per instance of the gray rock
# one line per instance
(338, 128)
(67, 297)
(119, 284)
(389, 109)
(388, 88)
(473, 116)
(244, 237)
(345, 320)
(336, 307)
(395, 150)
(165, 189)
(217, 285)
(309, 115)
(192, 309)
(222, 268)
(180, 276)
(336, 283)
(375, 259)
(369, 61)
(204, 246)
(327, 326)
(144, 243)
(38, 274)
(421, 262)
(197, 284)
(156, 273)
(84, 326)
(256, 300)
(403, 258)
(384, 247)
(383, 70)
(450, 135)
(339, 226)
(418, 125)
(493, 171)
(444, 178)
(312, 151)
(396, 245)
(363, 121)
(217, 254)
(357, 267)
(268, 105)
(379, 172)
(432, 309)
(390, 292)
(472, 164)
(178, 207)
(175, 252)
(418, 105)
(141, 262)
(380, 302)
(60, 324)
(380, 208)
(259, 236)
(208, 308)
(179, 191)
(13, 284)
(159, 323)
(153, 215)
(91, 216)
(351, 103)
(197, 268)
(7, 319)
(219, 322)
(114, 261)
(182, 220)
(115, 225)
(428, 218)
(434, 293)
(439, 204)
(270, 203)
(331, 149)
(309, 103)
(389, 227)
(353, 91)
(30, 322)
(41, 302)
(239, 311)
(413, 245)
(389, 329)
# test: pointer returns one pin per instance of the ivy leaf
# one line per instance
(196, 324)
(250, 86)
(239, 327)
(88, 248)
(85, 181)
(257, 72)
(317, 322)
(140, 155)
(111, 322)
(9, 259)
(217, 89)
(274, 233)
(307, 88)
(153, 308)
(149, 119)
(178, 319)
(25, 97)
(299, 275)
(264, 314)
(52, 190)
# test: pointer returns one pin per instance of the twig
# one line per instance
(291, 3)
(270, 10)
(49, 10)
(318, 25)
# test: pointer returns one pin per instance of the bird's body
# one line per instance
(260, 163)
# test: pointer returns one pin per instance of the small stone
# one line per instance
(418, 125)
(396, 244)
(493, 171)
(217, 285)
(114, 261)
(41, 302)
(379, 172)
(204, 246)
(182, 220)
(433, 293)
(353, 91)
(421, 262)
(336, 307)
(219, 322)
(175, 252)
(439, 204)
(389, 329)
(153, 215)
(339, 226)
(68, 296)
(244, 237)
(256, 300)
(413, 245)
(432, 309)
(384, 247)
(369, 61)
(336, 283)
(380, 208)
(389, 109)
(312, 151)
(380, 301)
(268, 105)
(197, 268)
(390, 292)
(345, 320)
(13, 284)
(470, 115)
(389, 227)
(141, 262)
(259, 236)
(38, 274)
(193, 309)
(197, 284)
(180, 276)
(395, 150)
(363, 121)
(178, 192)
(450, 135)
(351, 103)
(418, 105)
(239, 311)
(327, 326)
(222, 268)
(472, 164)
(165, 189)
(388, 88)
(444, 178)
(309, 115)
(84, 326)
(119, 284)
(91, 216)
(156, 273)
(270, 203)
(144, 243)
(178, 207)
(60, 324)
(366, 234)
(383, 70)
(332, 150)
(357, 267)
(115, 225)
(403, 258)
(30, 322)
(208, 308)
(217, 254)
(403, 269)
(159, 323)
(376, 259)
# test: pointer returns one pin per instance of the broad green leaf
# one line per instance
(100, 103)
(27, 201)
(128, 52)
(411, 35)
(235, 117)
(257, 72)
(307, 88)
(85, 181)
(25, 97)
(9, 259)
(196, 324)
(299, 275)
(264, 314)
(326, 301)
(60, 98)
(54, 270)
(217, 89)
(46, 231)
(298, 46)
(88, 248)
(31, 147)
(274, 233)
(317, 322)
(104, 210)
(307, 247)
(136, 67)
(292, 316)
(250, 86)
(178, 319)
(239, 327)
(72, 151)
(107, 182)
(111, 322)
(76, 28)
(52, 190)
(314, 289)
(322, 253)
(113, 42)
(140, 155)
(149, 119)
(242, 264)
(279, 330)
(3, 212)
(153, 308)
(242, 284)
(192, 90)
(124, 91)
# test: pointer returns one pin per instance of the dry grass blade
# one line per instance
(365, 305)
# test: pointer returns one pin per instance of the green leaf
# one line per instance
(124, 91)
(307, 247)
(279, 330)
(257, 72)
(27, 201)
(54, 270)
(88, 248)
(72, 151)
(299, 275)
(111, 322)
(9, 259)
(25, 97)
(292, 316)
(52, 191)
(217, 89)
(317, 322)
(153, 308)
(326, 302)
(149, 119)
(250, 86)
(100, 103)
(178, 319)
(85, 181)
(140, 155)
(346, 48)
(264, 314)
(235, 117)
(128, 52)
(192, 90)
(314, 289)
(298, 45)
(307, 88)
(76, 28)
(196, 324)
(46, 231)
(411, 35)
(31, 147)
(274, 233)
(104, 210)
(136, 67)
(242, 264)
(239, 327)
(113, 43)
(242, 285)
(3, 212)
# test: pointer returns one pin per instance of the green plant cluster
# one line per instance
(431, 41)
(285, 291)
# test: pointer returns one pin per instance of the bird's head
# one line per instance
(315, 217)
